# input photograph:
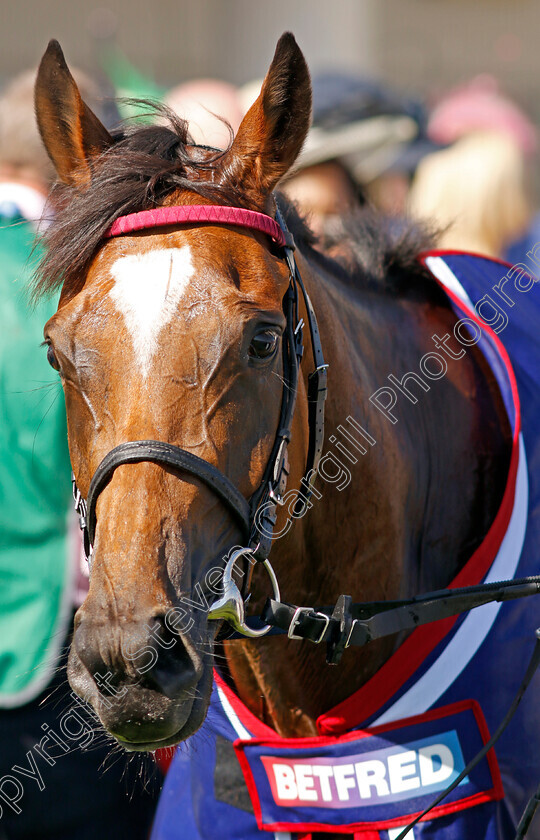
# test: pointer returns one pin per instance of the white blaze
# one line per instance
(147, 290)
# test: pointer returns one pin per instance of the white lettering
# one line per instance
(428, 774)
(324, 773)
(304, 782)
(372, 779)
(402, 771)
(371, 774)
(344, 779)
(285, 783)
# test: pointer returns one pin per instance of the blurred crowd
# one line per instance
(464, 166)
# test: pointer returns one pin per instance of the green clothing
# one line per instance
(34, 482)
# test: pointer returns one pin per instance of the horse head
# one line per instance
(172, 334)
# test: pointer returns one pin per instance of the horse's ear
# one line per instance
(274, 129)
(71, 132)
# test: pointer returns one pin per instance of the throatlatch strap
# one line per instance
(266, 498)
(317, 379)
(317, 390)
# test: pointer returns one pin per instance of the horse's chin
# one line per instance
(142, 719)
(193, 722)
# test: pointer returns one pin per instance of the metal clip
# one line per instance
(231, 607)
(339, 641)
(79, 502)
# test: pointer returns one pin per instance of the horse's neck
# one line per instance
(413, 501)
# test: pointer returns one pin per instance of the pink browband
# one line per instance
(197, 213)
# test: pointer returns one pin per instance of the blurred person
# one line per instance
(474, 193)
(480, 106)
(324, 192)
(209, 106)
(389, 190)
(518, 251)
(130, 86)
(360, 130)
(50, 786)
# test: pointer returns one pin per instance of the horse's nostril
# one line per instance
(88, 649)
(146, 653)
(178, 667)
(172, 682)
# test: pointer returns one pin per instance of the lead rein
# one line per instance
(357, 624)
(533, 802)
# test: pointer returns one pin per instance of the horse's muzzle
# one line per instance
(149, 687)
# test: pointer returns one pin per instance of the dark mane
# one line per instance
(145, 165)
(148, 163)
(372, 251)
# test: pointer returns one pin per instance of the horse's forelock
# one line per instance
(144, 167)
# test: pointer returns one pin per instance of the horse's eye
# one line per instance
(51, 358)
(263, 345)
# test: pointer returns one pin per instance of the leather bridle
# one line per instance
(256, 517)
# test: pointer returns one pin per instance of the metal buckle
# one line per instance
(296, 621)
(231, 606)
(274, 496)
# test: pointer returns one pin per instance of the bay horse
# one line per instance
(174, 333)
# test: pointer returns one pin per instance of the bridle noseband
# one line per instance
(257, 517)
